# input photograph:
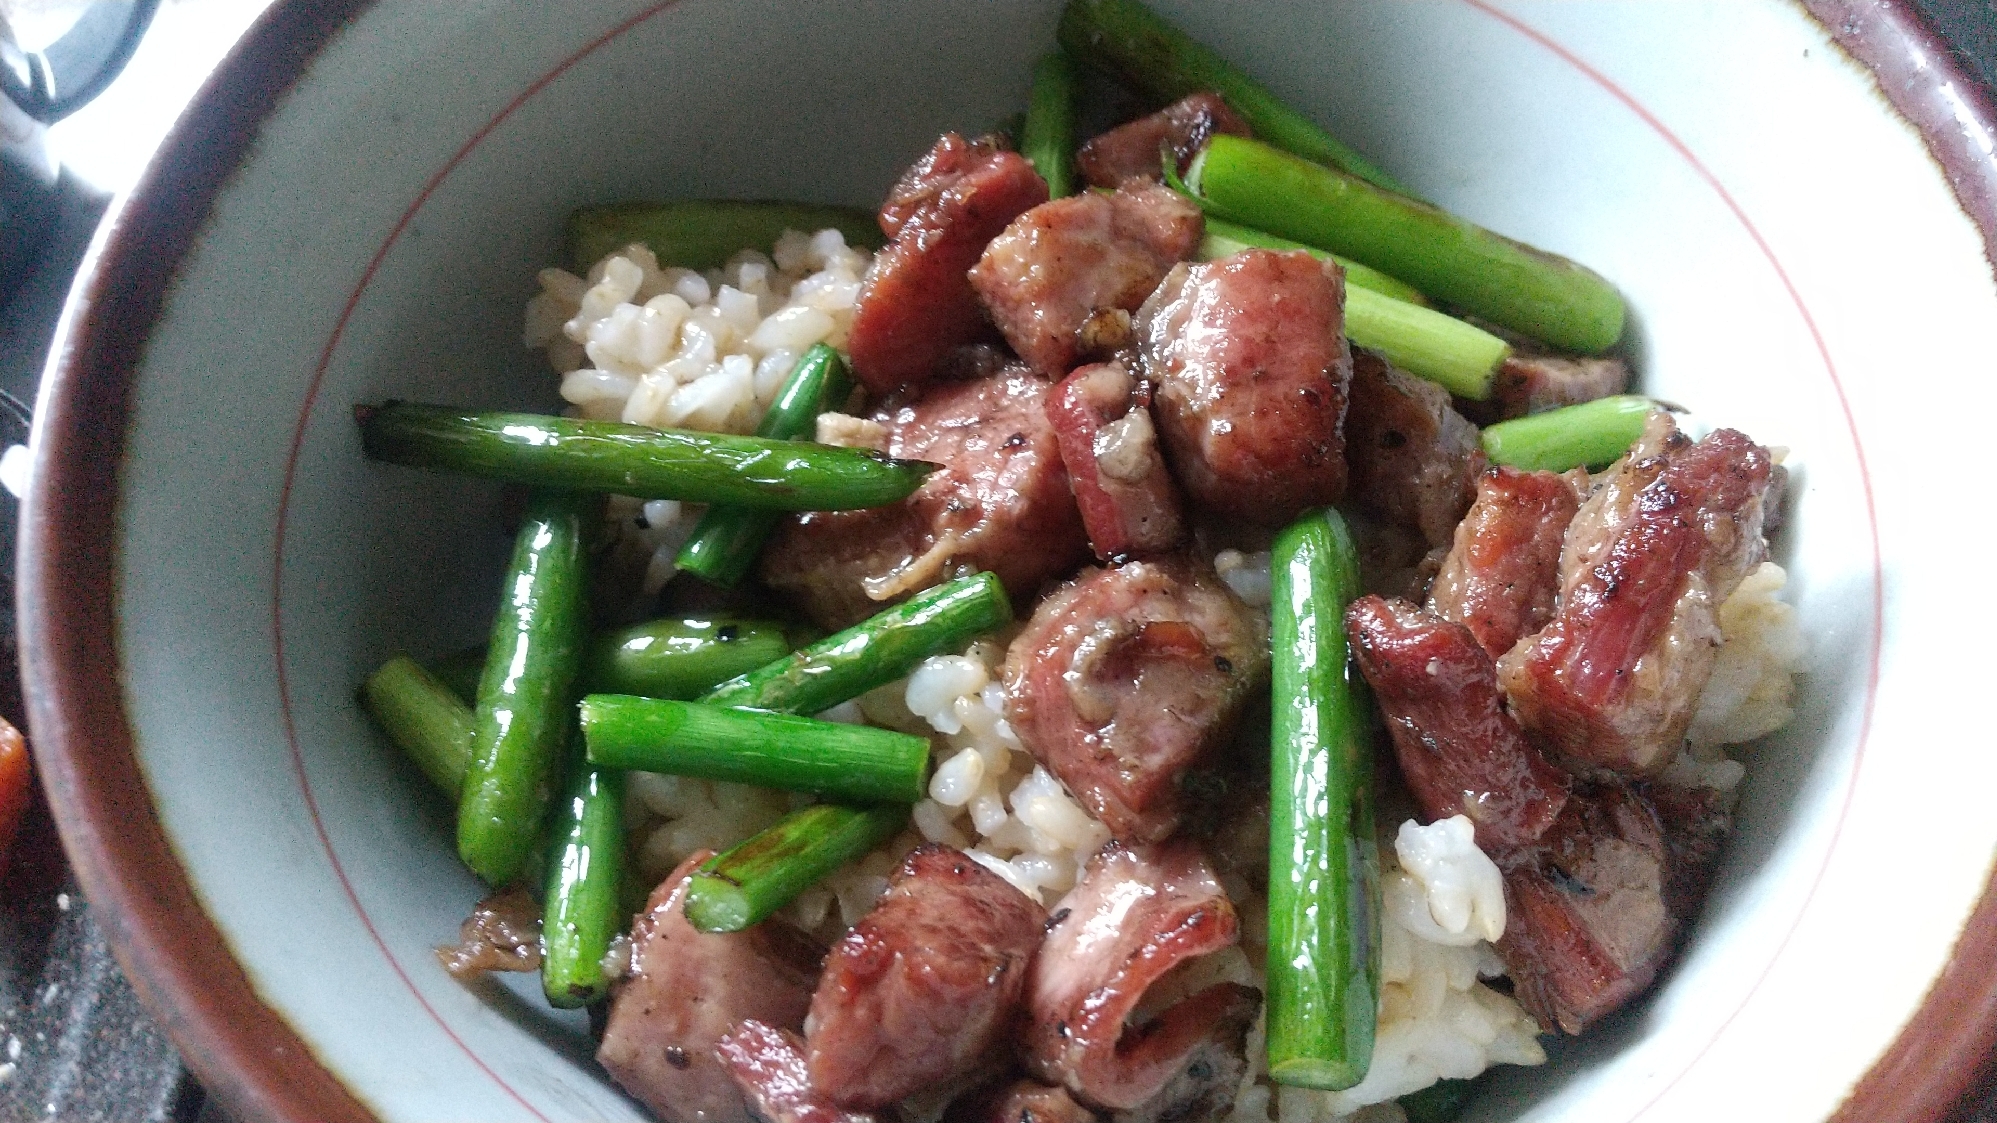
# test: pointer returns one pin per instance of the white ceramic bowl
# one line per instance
(355, 208)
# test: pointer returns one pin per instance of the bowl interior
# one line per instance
(382, 235)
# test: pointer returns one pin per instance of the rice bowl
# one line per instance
(321, 596)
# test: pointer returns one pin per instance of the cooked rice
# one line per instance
(988, 796)
(673, 348)
(1753, 688)
(1246, 574)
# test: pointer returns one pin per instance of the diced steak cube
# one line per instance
(1132, 150)
(1614, 680)
(916, 301)
(1503, 570)
(1459, 751)
(1136, 913)
(1018, 1101)
(1063, 263)
(503, 933)
(1000, 502)
(1126, 678)
(1129, 504)
(688, 988)
(1412, 458)
(767, 1067)
(926, 986)
(1250, 366)
(1528, 383)
(1586, 920)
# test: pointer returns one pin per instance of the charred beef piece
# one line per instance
(685, 990)
(1136, 913)
(926, 986)
(1614, 679)
(1412, 458)
(503, 933)
(767, 1067)
(1587, 920)
(1696, 823)
(1250, 366)
(1131, 150)
(1102, 419)
(916, 301)
(1053, 276)
(1459, 751)
(1529, 383)
(1000, 502)
(1018, 1101)
(1125, 678)
(974, 361)
(1598, 875)
(1502, 571)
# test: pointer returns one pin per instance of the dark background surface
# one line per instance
(75, 1044)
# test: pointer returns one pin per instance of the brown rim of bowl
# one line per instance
(1932, 1065)
(242, 1051)
(178, 962)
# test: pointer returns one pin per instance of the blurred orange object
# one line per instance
(15, 781)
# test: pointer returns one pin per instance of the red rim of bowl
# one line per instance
(242, 1050)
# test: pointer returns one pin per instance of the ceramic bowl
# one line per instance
(1797, 201)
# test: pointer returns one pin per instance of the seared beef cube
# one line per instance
(1059, 269)
(1000, 502)
(1696, 821)
(1501, 574)
(688, 988)
(1249, 360)
(1132, 150)
(1529, 383)
(503, 933)
(1613, 681)
(1136, 913)
(1018, 1101)
(767, 1067)
(916, 301)
(1413, 459)
(1458, 749)
(1129, 504)
(925, 987)
(1126, 678)
(1586, 919)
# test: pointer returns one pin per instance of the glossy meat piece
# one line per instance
(1413, 459)
(767, 1066)
(1528, 383)
(1129, 504)
(1696, 825)
(685, 990)
(1136, 913)
(1125, 678)
(1000, 502)
(1614, 679)
(1587, 925)
(916, 301)
(1459, 751)
(974, 361)
(1018, 1101)
(926, 986)
(503, 933)
(1131, 150)
(1063, 262)
(1503, 570)
(1249, 362)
